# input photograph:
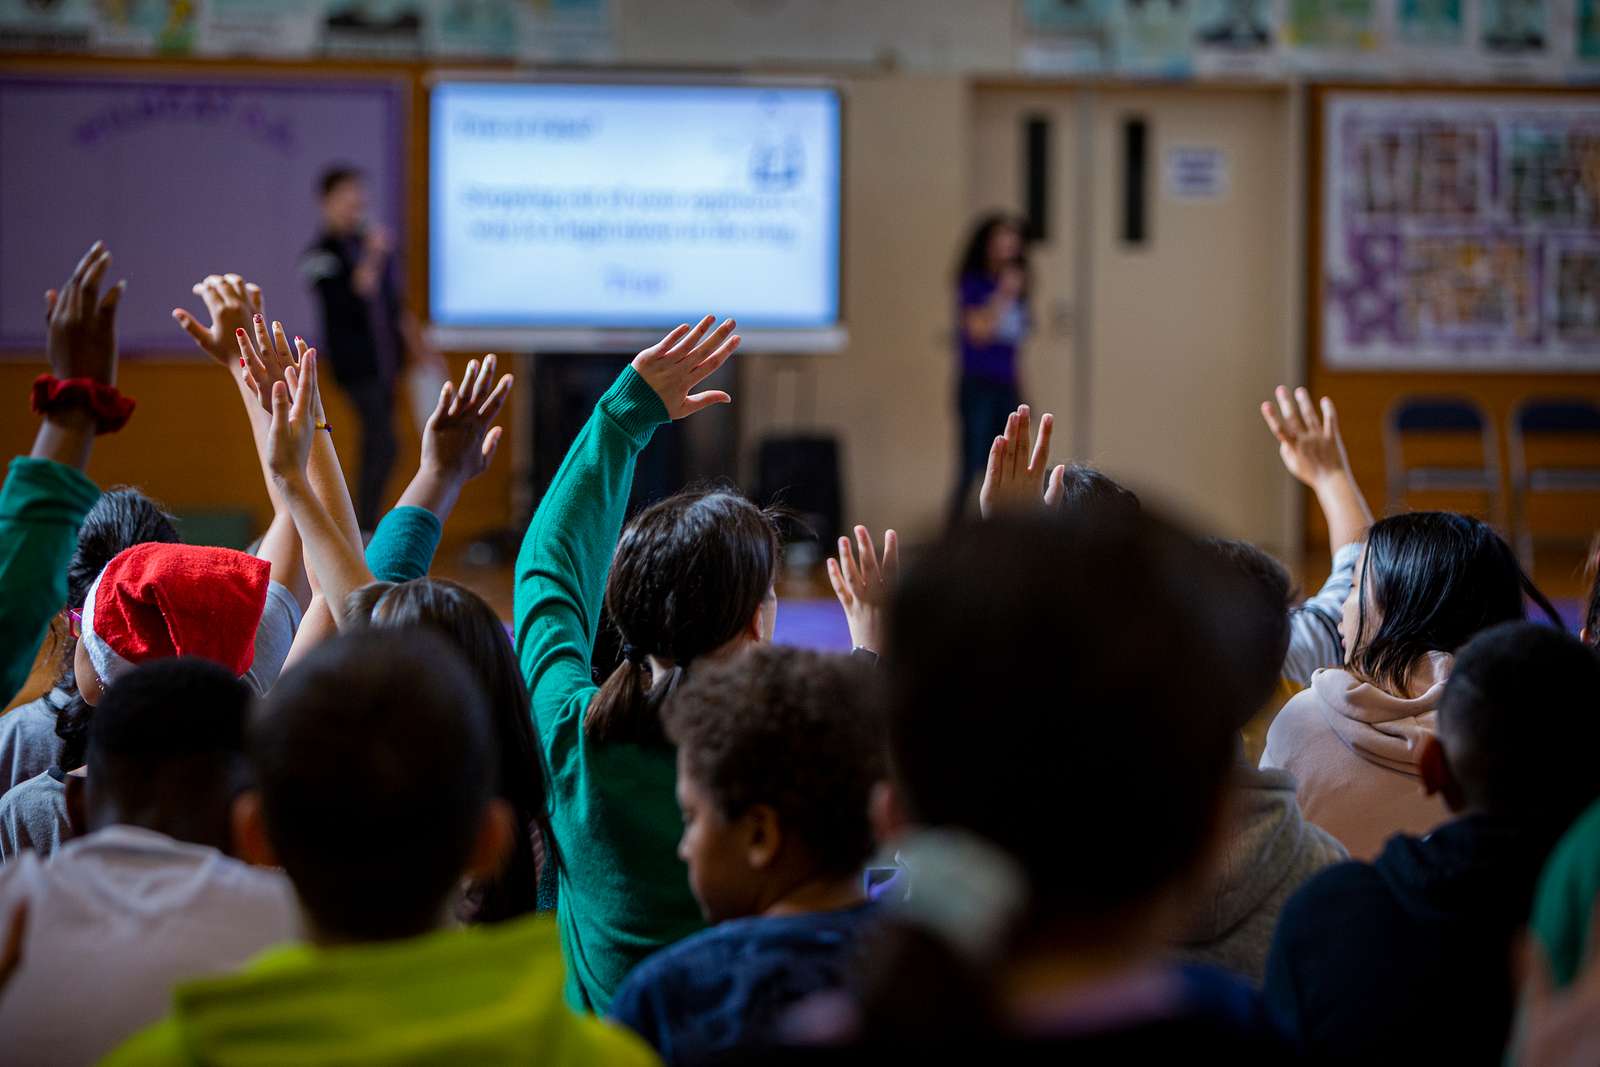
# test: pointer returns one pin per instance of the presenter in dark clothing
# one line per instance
(367, 333)
(991, 324)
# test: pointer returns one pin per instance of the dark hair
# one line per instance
(687, 576)
(1516, 688)
(1087, 489)
(335, 176)
(1262, 620)
(795, 730)
(373, 759)
(1436, 578)
(974, 262)
(1030, 659)
(166, 748)
(462, 617)
(121, 518)
(1591, 614)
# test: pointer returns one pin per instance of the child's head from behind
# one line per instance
(166, 750)
(778, 752)
(1086, 489)
(1262, 618)
(375, 785)
(1518, 727)
(692, 577)
(1076, 672)
(1427, 582)
(471, 625)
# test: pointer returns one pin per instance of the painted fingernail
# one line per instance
(259, 320)
(240, 332)
(241, 361)
(299, 340)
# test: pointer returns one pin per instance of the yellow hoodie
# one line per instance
(482, 995)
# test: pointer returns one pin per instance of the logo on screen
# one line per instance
(777, 166)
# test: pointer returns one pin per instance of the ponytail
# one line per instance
(627, 709)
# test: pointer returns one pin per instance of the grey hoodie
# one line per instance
(1268, 852)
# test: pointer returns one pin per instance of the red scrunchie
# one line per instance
(108, 406)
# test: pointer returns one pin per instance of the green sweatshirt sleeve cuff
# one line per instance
(403, 545)
(49, 490)
(634, 407)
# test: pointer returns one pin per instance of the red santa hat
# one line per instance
(155, 601)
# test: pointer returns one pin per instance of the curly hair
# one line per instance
(801, 732)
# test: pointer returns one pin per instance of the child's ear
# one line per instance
(1433, 764)
(887, 814)
(763, 836)
(496, 835)
(250, 841)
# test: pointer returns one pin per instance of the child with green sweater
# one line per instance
(690, 580)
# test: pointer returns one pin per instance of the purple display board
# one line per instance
(181, 177)
(1461, 233)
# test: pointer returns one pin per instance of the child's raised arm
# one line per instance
(1313, 452)
(862, 585)
(1015, 477)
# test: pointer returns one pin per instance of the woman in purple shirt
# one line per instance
(991, 323)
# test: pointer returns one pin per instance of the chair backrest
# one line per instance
(1557, 415)
(1437, 414)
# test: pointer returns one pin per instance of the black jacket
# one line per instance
(1409, 959)
(350, 338)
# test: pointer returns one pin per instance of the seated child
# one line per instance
(153, 601)
(1428, 581)
(778, 752)
(1268, 847)
(1367, 953)
(52, 730)
(1059, 798)
(374, 790)
(147, 898)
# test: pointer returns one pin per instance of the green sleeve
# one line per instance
(403, 545)
(42, 504)
(1566, 897)
(157, 1045)
(562, 567)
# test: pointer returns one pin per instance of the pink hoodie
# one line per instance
(1353, 749)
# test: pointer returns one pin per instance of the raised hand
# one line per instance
(230, 301)
(862, 585)
(1309, 445)
(265, 358)
(295, 423)
(685, 358)
(82, 335)
(457, 442)
(1017, 464)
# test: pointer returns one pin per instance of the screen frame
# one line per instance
(828, 337)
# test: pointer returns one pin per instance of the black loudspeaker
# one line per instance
(1135, 181)
(1036, 176)
(801, 474)
(566, 388)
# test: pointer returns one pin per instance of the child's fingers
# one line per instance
(708, 366)
(263, 339)
(847, 566)
(447, 393)
(700, 401)
(1330, 417)
(1057, 487)
(480, 385)
(1041, 447)
(867, 552)
(836, 580)
(1274, 423)
(491, 442)
(1291, 418)
(891, 555)
(1308, 412)
(692, 338)
(1019, 456)
(280, 343)
(997, 460)
(667, 343)
(252, 294)
(88, 297)
(280, 407)
(490, 408)
(308, 375)
(699, 350)
(198, 333)
(465, 388)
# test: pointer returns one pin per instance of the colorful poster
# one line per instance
(374, 28)
(1151, 37)
(1430, 23)
(474, 28)
(1513, 27)
(277, 28)
(143, 25)
(1065, 36)
(1461, 232)
(568, 31)
(1586, 30)
(1345, 25)
(45, 25)
(1237, 37)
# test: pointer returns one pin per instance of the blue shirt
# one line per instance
(995, 360)
(730, 986)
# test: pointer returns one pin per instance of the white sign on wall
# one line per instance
(1197, 172)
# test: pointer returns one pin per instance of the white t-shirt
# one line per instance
(116, 920)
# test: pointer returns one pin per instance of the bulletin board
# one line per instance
(1456, 231)
(182, 173)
